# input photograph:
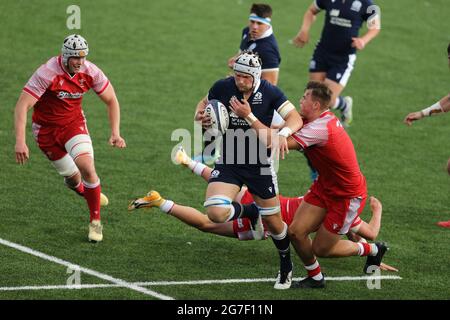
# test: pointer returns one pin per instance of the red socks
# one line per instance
(92, 196)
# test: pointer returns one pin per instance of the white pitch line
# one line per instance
(195, 282)
(119, 282)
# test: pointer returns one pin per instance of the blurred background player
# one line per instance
(56, 92)
(245, 154)
(241, 228)
(439, 107)
(336, 198)
(335, 54)
(258, 37)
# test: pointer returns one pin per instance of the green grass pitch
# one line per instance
(162, 57)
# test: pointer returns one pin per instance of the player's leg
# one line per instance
(337, 77)
(185, 214)
(278, 229)
(78, 145)
(307, 219)
(317, 76)
(370, 230)
(197, 167)
(340, 217)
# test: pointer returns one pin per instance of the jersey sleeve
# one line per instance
(39, 82)
(270, 59)
(320, 4)
(309, 136)
(369, 13)
(278, 98)
(214, 92)
(99, 80)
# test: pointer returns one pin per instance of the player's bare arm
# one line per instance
(293, 123)
(361, 42)
(441, 106)
(25, 103)
(302, 36)
(271, 76)
(110, 99)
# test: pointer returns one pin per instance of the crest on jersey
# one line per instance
(252, 47)
(257, 98)
(356, 6)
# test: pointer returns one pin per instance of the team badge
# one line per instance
(215, 173)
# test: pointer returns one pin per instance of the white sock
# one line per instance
(166, 206)
(197, 168)
(373, 249)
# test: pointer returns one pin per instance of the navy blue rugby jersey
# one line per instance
(343, 19)
(266, 48)
(240, 145)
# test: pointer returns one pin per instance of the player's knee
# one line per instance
(217, 214)
(65, 166)
(296, 234)
(218, 208)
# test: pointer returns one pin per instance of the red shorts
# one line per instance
(342, 213)
(52, 140)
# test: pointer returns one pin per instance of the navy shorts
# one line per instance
(337, 67)
(260, 181)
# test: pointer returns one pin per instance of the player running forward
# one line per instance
(336, 198)
(246, 157)
(56, 91)
(335, 53)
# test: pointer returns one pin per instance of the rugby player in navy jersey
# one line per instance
(246, 156)
(258, 37)
(335, 54)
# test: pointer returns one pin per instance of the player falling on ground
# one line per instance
(56, 92)
(335, 53)
(241, 228)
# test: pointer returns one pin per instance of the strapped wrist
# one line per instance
(285, 132)
(435, 108)
(251, 118)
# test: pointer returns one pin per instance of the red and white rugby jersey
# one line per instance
(331, 152)
(59, 94)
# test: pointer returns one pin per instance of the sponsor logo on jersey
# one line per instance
(334, 13)
(257, 98)
(356, 6)
(68, 95)
(233, 115)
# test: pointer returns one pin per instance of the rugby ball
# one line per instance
(218, 114)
